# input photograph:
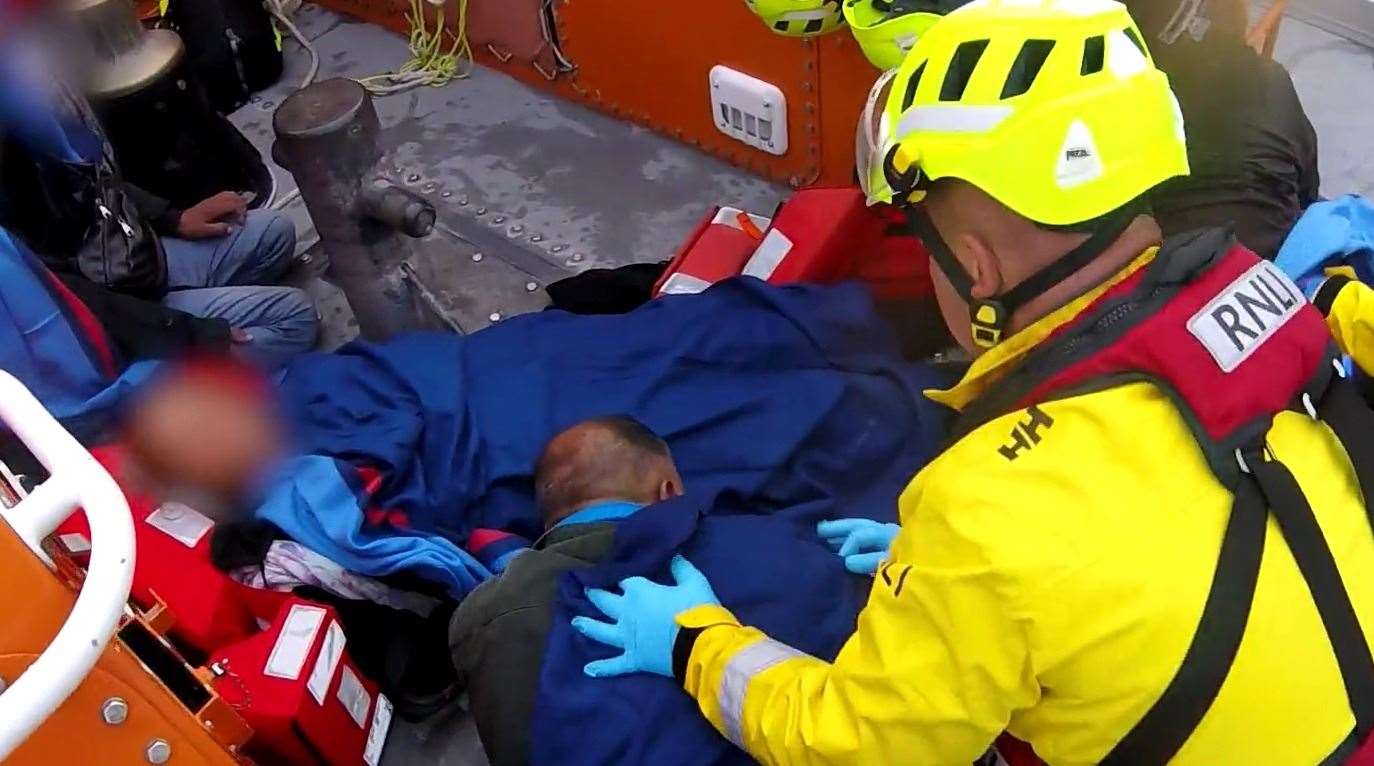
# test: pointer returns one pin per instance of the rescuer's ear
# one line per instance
(979, 259)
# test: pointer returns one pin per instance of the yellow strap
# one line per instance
(162, 7)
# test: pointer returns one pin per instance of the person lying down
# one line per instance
(612, 500)
(587, 480)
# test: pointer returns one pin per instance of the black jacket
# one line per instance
(1251, 148)
(499, 633)
(53, 206)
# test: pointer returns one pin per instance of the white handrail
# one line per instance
(76, 480)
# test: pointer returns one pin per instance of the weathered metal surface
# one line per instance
(327, 135)
(471, 289)
(548, 187)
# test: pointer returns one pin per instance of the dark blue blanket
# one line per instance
(785, 392)
(758, 546)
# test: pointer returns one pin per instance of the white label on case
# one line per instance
(327, 662)
(354, 697)
(376, 734)
(293, 644)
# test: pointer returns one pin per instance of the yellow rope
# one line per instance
(430, 64)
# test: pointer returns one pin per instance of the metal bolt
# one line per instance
(446, 194)
(577, 257)
(431, 186)
(476, 257)
(413, 177)
(499, 219)
(159, 752)
(517, 228)
(537, 238)
(559, 248)
(481, 211)
(768, 105)
(531, 286)
(114, 711)
(355, 129)
(495, 316)
(463, 200)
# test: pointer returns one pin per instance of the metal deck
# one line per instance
(530, 189)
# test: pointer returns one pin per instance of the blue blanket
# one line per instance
(783, 393)
(759, 548)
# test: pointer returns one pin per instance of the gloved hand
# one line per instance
(644, 620)
(862, 543)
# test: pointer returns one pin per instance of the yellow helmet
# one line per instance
(1052, 107)
(799, 18)
(887, 29)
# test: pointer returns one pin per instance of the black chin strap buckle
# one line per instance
(988, 320)
(901, 174)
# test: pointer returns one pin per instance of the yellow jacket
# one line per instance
(1054, 596)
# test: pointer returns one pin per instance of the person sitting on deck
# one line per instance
(1251, 148)
(62, 194)
(587, 478)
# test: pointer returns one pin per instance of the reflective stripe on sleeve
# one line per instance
(747, 663)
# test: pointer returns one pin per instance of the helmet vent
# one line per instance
(1094, 53)
(1026, 66)
(910, 95)
(1135, 38)
(961, 67)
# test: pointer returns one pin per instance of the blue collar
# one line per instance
(607, 510)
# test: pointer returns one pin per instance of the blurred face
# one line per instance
(203, 442)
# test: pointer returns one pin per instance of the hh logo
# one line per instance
(1243, 316)
(1026, 434)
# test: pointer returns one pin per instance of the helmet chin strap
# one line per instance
(988, 317)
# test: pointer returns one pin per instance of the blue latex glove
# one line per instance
(862, 543)
(644, 620)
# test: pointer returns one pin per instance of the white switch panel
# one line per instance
(749, 110)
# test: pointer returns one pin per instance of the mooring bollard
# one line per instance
(327, 136)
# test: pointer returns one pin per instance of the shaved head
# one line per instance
(607, 458)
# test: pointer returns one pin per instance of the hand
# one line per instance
(644, 620)
(862, 543)
(210, 217)
(239, 336)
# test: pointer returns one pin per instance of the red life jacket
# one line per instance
(1233, 342)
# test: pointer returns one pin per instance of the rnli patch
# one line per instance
(1245, 314)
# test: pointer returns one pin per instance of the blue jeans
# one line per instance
(233, 277)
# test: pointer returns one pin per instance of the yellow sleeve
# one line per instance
(1349, 309)
(937, 664)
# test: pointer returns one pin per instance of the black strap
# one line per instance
(1111, 227)
(1350, 418)
(1160, 734)
(1318, 566)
